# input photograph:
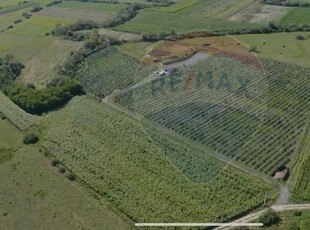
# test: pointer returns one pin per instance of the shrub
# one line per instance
(300, 37)
(293, 226)
(297, 213)
(269, 218)
(55, 162)
(71, 177)
(62, 169)
(31, 139)
(17, 21)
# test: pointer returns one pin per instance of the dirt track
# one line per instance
(278, 208)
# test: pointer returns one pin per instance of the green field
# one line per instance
(34, 195)
(14, 114)
(280, 46)
(28, 43)
(300, 182)
(296, 16)
(260, 127)
(166, 22)
(103, 74)
(126, 167)
(91, 6)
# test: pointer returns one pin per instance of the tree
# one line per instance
(269, 218)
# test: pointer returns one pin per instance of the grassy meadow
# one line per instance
(280, 46)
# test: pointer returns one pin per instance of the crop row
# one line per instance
(14, 114)
(259, 126)
(109, 70)
(131, 167)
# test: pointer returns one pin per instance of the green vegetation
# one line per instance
(260, 125)
(300, 184)
(30, 139)
(166, 22)
(38, 101)
(280, 46)
(14, 114)
(269, 218)
(123, 165)
(291, 221)
(24, 168)
(109, 70)
(296, 16)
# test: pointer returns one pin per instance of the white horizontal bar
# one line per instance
(199, 224)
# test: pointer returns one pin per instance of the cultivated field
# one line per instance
(132, 170)
(103, 74)
(301, 181)
(34, 195)
(187, 128)
(14, 114)
(260, 126)
(75, 10)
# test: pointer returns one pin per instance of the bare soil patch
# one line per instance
(258, 13)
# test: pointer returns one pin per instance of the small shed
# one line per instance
(282, 175)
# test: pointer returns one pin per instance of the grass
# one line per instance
(40, 53)
(36, 195)
(296, 16)
(14, 114)
(6, 3)
(136, 50)
(166, 22)
(289, 218)
(124, 165)
(280, 46)
(90, 6)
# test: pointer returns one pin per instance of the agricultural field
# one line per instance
(259, 126)
(14, 114)
(136, 50)
(28, 42)
(300, 182)
(145, 116)
(103, 75)
(34, 195)
(296, 16)
(166, 22)
(98, 12)
(280, 46)
(133, 171)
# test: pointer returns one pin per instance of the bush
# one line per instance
(55, 162)
(17, 21)
(31, 139)
(300, 37)
(38, 101)
(71, 177)
(62, 169)
(269, 218)
(293, 226)
(297, 213)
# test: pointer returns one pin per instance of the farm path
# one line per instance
(277, 207)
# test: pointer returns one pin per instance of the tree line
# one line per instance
(36, 101)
